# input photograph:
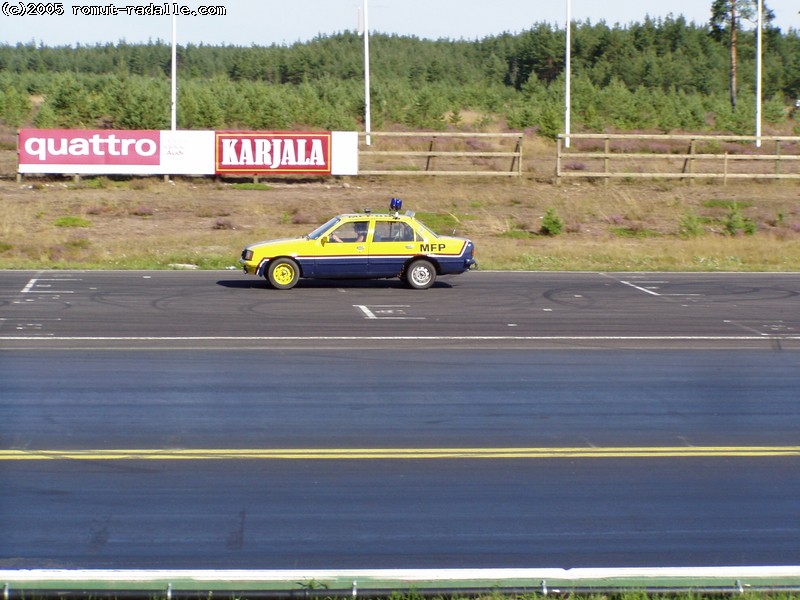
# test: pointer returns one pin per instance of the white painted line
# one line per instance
(29, 286)
(641, 289)
(775, 327)
(367, 312)
(651, 287)
(400, 575)
(421, 338)
(386, 311)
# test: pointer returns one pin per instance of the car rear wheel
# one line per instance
(283, 273)
(420, 274)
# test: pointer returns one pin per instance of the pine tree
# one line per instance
(726, 16)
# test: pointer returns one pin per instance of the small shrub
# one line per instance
(72, 222)
(78, 244)
(616, 220)
(224, 224)
(143, 211)
(729, 204)
(779, 220)
(735, 222)
(95, 183)
(633, 231)
(97, 209)
(301, 218)
(691, 225)
(552, 224)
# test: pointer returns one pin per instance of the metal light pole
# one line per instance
(174, 107)
(568, 74)
(367, 100)
(758, 74)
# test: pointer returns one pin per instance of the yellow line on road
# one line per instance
(397, 453)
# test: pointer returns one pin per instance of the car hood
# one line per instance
(272, 243)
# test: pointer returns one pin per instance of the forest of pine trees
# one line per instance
(663, 75)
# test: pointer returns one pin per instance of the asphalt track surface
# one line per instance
(198, 420)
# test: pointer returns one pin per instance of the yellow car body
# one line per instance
(364, 245)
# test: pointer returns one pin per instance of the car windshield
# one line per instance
(322, 229)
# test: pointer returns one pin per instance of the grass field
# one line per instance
(137, 223)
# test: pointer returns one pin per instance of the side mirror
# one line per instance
(323, 240)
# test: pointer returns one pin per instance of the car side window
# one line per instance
(391, 231)
(352, 232)
(403, 232)
(382, 232)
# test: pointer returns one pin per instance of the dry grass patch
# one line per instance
(149, 223)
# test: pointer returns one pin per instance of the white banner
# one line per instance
(141, 152)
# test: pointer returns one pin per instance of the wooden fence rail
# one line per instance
(440, 153)
(678, 157)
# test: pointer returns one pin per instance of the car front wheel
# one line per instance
(420, 274)
(283, 273)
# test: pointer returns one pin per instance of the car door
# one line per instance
(392, 244)
(344, 253)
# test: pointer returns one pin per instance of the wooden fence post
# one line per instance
(517, 159)
(429, 162)
(558, 160)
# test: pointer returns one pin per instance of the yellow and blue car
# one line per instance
(363, 245)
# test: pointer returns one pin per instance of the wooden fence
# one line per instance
(677, 157)
(440, 153)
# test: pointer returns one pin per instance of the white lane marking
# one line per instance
(399, 575)
(36, 283)
(367, 312)
(386, 311)
(651, 289)
(640, 288)
(24, 325)
(776, 327)
(421, 338)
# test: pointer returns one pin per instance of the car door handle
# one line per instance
(360, 248)
(409, 246)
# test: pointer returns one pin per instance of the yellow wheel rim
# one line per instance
(283, 274)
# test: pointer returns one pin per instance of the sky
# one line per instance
(267, 22)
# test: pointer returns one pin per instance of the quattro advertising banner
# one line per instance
(115, 152)
(133, 152)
